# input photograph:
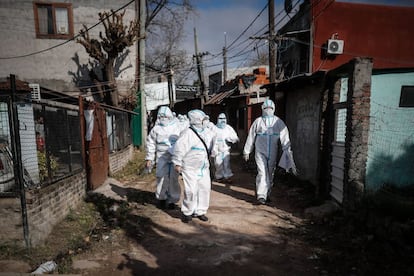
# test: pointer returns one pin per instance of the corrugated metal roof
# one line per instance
(20, 86)
(218, 98)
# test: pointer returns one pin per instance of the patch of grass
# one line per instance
(69, 237)
(135, 168)
(83, 226)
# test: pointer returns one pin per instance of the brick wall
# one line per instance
(49, 205)
(357, 131)
(118, 160)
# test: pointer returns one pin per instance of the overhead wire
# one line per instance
(70, 39)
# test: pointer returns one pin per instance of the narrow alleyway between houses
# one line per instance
(134, 237)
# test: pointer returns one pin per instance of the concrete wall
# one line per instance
(302, 120)
(64, 66)
(391, 142)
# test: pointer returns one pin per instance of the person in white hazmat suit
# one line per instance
(225, 137)
(191, 160)
(264, 134)
(160, 140)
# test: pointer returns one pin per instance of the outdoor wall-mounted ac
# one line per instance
(63, 30)
(335, 46)
(35, 91)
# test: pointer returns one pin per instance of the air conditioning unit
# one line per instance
(63, 30)
(35, 91)
(335, 46)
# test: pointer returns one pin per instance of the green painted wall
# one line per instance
(391, 138)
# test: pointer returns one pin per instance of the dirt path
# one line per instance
(240, 236)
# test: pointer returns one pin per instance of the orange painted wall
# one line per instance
(383, 33)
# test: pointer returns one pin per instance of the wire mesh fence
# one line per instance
(50, 143)
(391, 147)
(118, 126)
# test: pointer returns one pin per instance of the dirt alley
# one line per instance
(240, 236)
(127, 234)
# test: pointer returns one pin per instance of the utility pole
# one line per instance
(272, 44)
(199, 61)
(225, 59)
(170, 82)
(140, 15)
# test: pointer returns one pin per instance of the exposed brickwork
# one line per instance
(357, 130)
(49, 205)
(119, 159)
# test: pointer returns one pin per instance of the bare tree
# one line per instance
(164, 35)
(164, 22)
(116, 38)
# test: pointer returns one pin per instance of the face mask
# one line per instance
(197, 127)
(221, 123)
(164, 121)
(267, 112)
(205, 123)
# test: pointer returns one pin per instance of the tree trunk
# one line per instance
(113, 90)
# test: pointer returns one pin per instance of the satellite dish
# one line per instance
(288, 6)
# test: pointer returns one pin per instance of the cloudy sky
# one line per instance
(220, 22)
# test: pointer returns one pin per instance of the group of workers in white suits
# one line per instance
(183, 145)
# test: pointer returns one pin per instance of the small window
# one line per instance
(53, 20)
(407, 96)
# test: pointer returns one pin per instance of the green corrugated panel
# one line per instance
(136, 128)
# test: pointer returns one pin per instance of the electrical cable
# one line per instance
(71, 39)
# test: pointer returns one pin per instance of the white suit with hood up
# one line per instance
(264, 135)
(191, 155)
(225, 136)
(160, 140)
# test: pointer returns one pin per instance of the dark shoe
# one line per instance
(186, 219)
(162, 204)
(172, 206)
(203, 218)
(261, 201)
(228, 181)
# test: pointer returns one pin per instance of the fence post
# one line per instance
(17, 157)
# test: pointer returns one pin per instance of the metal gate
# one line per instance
(96, 147)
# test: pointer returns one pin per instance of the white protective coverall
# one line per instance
(160, 140)
(225, 136)
(190, 154)
(264, 135)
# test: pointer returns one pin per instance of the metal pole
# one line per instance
(17, 158)
(225, 59)
(272, 47)
(142, 20)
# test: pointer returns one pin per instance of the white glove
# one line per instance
(246, 157)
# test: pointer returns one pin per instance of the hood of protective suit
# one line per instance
(268, 108)
(198, 119)
(165, 116)
(221, 120)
